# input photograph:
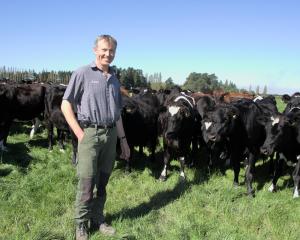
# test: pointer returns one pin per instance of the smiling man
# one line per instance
(94, 95)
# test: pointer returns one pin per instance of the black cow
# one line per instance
(139, 115)
(22, 102)
(164, 95)
(177, 123)
(283, 136)
(217, 151)
(235, 126)
(291, 101)
(55, 118)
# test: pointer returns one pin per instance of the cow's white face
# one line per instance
(173, 110)
(207, 125)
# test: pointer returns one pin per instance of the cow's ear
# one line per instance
(285, 98)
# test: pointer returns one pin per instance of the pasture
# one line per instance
(37, 192)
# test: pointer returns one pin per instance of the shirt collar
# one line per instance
(94, 67)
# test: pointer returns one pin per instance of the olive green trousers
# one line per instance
(96, 158)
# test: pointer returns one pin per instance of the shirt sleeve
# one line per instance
(74, 89)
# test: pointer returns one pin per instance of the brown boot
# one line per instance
(81, 232)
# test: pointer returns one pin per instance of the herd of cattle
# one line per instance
(230, 126)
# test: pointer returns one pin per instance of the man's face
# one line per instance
(105, 52)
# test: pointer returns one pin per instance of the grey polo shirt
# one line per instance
(94, 97)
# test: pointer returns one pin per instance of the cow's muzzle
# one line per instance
(212, 137)
(170, 135)
(266, 150)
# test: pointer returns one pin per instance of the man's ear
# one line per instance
(95, 50)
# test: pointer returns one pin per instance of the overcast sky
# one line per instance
(247, 42)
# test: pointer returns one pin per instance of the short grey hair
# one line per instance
(108, 38)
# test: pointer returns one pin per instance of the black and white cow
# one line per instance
(217, 151)
(283, 136)
(291, 101)
(235, 126)
(178, 128)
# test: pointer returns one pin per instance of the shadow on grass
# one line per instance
(20, 127)
(4, 172)
(156, 202)
(262, 174)
(17, 155)
(141, 161)
(160, 199)
(39, 142)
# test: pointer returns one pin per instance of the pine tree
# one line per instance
(257, 90)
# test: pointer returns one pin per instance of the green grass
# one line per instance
(37, 192)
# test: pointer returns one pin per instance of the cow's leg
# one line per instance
(152, 150)
(235, 160)
(182, 174)
(271, 163)
(249, 173)
(141, 150)
(35, 126)
(194, 151)
(4, 131)
(60, 136)
(50, 135)
(2, 147)
(296, 178)
(278, 164)
(215, 158)
(129, 160)
(163, 175)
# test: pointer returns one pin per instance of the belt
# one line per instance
(87, 124)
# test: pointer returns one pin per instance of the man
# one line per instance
(93, 93)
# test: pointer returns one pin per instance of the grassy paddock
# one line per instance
(37, 192)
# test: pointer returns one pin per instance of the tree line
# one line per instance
(131, 78)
